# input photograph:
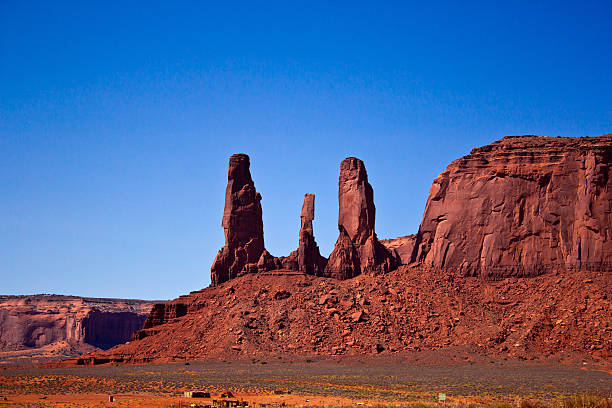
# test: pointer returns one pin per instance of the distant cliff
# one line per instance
(65, 325)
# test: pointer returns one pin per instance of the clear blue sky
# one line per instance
(117, 120)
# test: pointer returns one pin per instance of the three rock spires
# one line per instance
(357, 249)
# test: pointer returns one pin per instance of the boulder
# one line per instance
(357, 249)
(242, 224)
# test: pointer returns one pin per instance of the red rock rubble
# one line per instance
(409, 309)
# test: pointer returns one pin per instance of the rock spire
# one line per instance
(310, 260)
(357, 249)
(242, 224)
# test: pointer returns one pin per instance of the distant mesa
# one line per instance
(40, 328)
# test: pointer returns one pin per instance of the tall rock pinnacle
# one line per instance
(310, 260)
(242, 224)
(357, 249)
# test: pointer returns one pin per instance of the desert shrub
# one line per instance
(501, 404)
(533, 403)
(587, 401)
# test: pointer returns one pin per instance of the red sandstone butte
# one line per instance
(357, 249)
(242, 224)
(522, 206)
(402, 248)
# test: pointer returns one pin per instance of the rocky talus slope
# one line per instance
(47, 327)
(409, 309)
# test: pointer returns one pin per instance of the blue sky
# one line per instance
(117, 120)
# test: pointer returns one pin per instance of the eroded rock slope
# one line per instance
(409, 309)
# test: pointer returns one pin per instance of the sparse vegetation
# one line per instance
(326, 383)
(586, 401)
(534, 403)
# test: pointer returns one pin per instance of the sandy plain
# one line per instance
(380, 381)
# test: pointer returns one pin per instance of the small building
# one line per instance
(226, 403)
(196, 394)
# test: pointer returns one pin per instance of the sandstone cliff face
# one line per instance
(242, 224)
(82, 324)
(522, 206)
(357, 249)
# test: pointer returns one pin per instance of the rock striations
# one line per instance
(522, 206)
(242, 224)
(357, 249)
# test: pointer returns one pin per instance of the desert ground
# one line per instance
(415, 380)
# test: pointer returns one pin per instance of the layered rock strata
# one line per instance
(242, 224)
(357, 249)
(522, 206)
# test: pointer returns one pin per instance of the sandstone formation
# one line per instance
(357, 249)
(512, 210)
(242, 224)
(310, 260)
(66, 324)
(522, 206)
(402, 248)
